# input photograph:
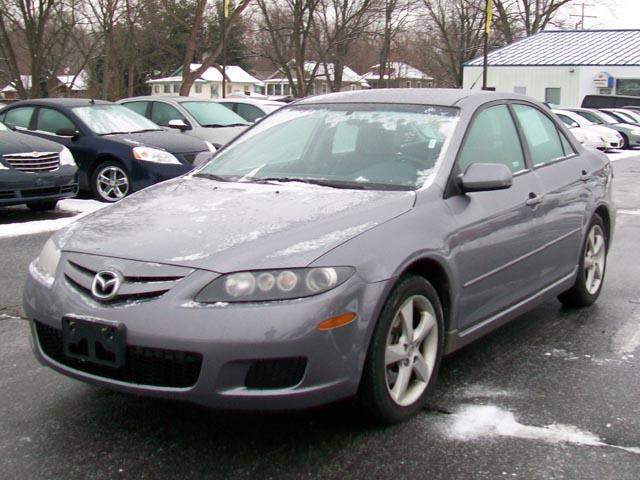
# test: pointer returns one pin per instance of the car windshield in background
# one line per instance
(361, 146)
(112, 119)
(213, 114)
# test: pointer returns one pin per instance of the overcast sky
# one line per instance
(609, 13)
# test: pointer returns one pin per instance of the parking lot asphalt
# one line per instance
(553, 395)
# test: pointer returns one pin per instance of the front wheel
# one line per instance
(624, 144)
(110, 182)
(404, 354)
(591, 269)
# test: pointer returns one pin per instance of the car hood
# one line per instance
(170, 141)
(219, 135)
(225, 227)
(14, 142)
(606, 132)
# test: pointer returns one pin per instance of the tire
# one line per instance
(43, 205)
(376, 397)
(585, 291)
(110, 182)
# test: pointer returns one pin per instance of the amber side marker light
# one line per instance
(338, 321)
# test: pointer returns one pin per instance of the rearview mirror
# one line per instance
(178, 124)
(67, 132)
(483, 177)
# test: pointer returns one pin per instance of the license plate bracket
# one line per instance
(95, 341)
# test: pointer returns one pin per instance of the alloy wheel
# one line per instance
(594, 259)
(112, 183)
(411, 350)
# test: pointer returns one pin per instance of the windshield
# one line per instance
(111, 119)
(3, 127)
(365, 146)
(213, 114)
(626, 117)
(606, 118)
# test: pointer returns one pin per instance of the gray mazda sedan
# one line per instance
(337, 249)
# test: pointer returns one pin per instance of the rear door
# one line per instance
(565, 176)
(495, 239)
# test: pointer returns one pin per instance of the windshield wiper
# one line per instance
(219, 125)
(211, 176)
(312, 181)
(148, 130)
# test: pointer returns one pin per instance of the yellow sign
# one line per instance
(488, 17)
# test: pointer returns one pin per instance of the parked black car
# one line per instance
(117, 150)
(34, 171)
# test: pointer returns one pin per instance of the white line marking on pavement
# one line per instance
(474, 422)
(629, 212)
(627, 339)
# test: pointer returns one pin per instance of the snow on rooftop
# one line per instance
(234, 73)
(570, 47)
(397, 70)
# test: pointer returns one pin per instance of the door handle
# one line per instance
(585, 176)
(534, 200)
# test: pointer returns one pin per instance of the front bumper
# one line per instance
(18, 187)
(229, 338)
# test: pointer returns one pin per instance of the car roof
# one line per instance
(448, 97)
(165, 98)
(62, 102)
(252, 101)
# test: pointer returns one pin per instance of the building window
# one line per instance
(214, 91)
(408, 83)
(278, 89)
(604, 91)
(246, 89)
(520, 90)
(418, 84)
(229, 88)
(198, 88)
(156, 88)
(270, 89)
(628, 86)
(166, 88)
(286, 89)
(176, 87)
(323, 88)
(552, 95)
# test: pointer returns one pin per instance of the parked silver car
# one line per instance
(251, 109)
(630, 133)
(203, 119)
(339, 248)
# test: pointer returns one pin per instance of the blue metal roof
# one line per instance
(569, 47)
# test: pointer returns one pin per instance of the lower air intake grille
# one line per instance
(275, 373)
(143, 366)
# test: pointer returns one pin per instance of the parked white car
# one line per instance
(251, 109)
(588, 133)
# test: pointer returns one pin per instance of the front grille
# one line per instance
(34, 162)
(275, 373)
(140, 280)
(143, 365)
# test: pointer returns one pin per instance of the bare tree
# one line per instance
(516, 18)
(286, 28)
(395, 15)
(340, 24)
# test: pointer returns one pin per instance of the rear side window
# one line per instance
(249, 112)
(543, 138)
(138, 107)
(50, 120)
(492, 138)
(566, 145)
(19, 117)
(162, 113)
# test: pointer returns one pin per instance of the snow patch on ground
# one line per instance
(622, 154)
(474, 422)
(79, 207)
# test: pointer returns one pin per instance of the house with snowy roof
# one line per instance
(562, 66)
(209, 84)
(397, 75)
(61, 85)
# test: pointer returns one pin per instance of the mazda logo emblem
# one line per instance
(106, 284)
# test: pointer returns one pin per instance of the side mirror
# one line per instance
(201, 158)
(574, 125)
(178, 125)
(483, 177)
(67, 132)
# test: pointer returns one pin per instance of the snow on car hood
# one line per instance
(225, 226)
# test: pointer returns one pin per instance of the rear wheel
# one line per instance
(404, 354)
(624, 144)
(591, 269)
(110, 182)
(43, 205)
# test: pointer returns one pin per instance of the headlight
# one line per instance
(210, 146)
(268, 285)
(47, 262)
(148, 154)
(635, 132)
(66, 158)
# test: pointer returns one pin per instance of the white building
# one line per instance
(561, 67)
(277, 83)
(209, 85)
(398, 75)
(63, 85)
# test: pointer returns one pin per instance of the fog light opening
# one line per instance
(338, 321)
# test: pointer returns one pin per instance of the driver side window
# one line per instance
(492, 138)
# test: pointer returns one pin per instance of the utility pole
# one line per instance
(582, 16)
(225, 14)
(485, 46)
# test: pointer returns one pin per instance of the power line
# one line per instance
(582, 15)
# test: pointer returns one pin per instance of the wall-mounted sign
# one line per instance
(603, 80)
